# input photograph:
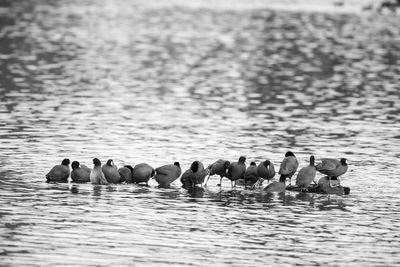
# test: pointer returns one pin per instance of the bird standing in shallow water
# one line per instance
(306, 175)
(166, 174)
(80, 173)
(236, 171)
(194, 176)
(219, 167)
(251, 175)
(97, 175)
(333, 168)
(266, 170)
(110, 171)
(288, 166)
(59, 173)
(125, 173)
(142, 173)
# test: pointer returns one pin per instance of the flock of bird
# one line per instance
(195, 176)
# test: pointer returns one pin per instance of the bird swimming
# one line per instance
(166, 174)
(97, 175)
(219, 167)
(288, 166)
(306, 175)
(80, 173)
(59, 173)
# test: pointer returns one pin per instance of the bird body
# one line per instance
(266, 170)
(251, 174)
(110, 171)
(125, 173)
(333, 168)
(236, 170)
(218, 168)
(97, 175)
(185, 179)
(142, 173)
(306, 175)
(59, 173)
(288, 166)
(166, 174)
(194, 176)
(80, 173)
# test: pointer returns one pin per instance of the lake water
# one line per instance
(143, 82)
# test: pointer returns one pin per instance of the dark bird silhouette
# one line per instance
(218, 168)
(59, 173)
(236, 171)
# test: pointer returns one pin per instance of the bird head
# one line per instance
(75, 165)
(96, 162)
(289, 154)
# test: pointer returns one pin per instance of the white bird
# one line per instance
(97, 175)
(306, 175)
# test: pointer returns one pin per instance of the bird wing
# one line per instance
(165, 170)
(327, 164)
(289, 165)
(50, 174)
(103, 179)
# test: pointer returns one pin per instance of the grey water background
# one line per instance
(158, 82)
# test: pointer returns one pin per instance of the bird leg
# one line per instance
(207, 180)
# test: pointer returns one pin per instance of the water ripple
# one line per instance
(145, 82)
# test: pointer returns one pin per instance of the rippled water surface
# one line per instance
(141, 82)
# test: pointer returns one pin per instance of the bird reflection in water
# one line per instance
(331, 204)
(285, 198)
(196, 192)
(74, 189)
(305, 197)
(97, 190)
